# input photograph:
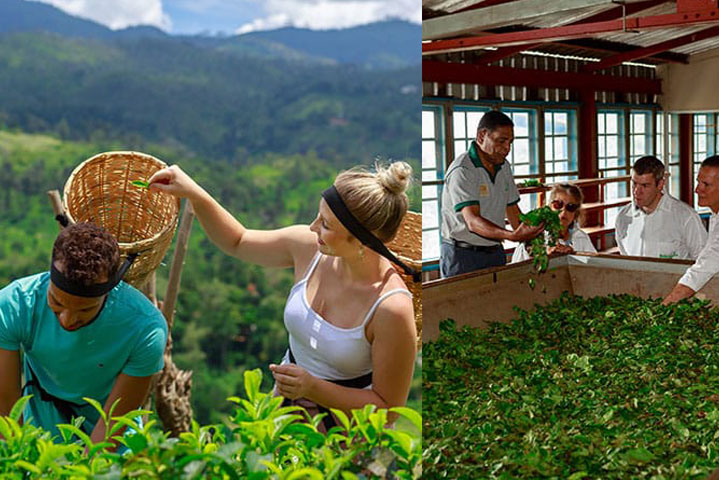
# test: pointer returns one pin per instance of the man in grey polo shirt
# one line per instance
(479, 193)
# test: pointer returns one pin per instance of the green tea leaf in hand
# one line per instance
(141, 184)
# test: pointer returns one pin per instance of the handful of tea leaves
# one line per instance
(141, 184)
(538, 245)
(532, 182)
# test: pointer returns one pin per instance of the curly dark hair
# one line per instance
(87, 252)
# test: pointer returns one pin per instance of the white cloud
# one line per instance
(328, 14)
(117, 14)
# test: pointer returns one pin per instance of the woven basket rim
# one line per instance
(129, 247)
(413, 220)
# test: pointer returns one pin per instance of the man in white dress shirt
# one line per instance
(656, 224)
(707, 263)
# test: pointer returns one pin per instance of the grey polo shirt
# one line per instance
(467, 182)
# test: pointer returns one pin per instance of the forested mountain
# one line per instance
(265, 131)
(383, 45)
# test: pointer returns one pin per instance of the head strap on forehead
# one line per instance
(89, 291)
(343, 214)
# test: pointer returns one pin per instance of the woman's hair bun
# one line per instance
(395, 177)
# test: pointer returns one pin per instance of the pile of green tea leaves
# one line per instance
(538, 245)
(532, 182)
(611, 387)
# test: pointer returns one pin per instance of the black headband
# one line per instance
(338, 207)
(89, 291)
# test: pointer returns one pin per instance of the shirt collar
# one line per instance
(477, 162)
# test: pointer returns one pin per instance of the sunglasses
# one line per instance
(570, 207)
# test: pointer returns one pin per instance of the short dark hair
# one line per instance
(712, 161)
(87, 252)
(649, 164)
(493, 120)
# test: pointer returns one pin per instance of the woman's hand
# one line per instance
(174, 181)
(559, 248)
(292, 381)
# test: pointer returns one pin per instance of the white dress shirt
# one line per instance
(707, 263)
(672, 230)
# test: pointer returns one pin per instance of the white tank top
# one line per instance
(325, 350)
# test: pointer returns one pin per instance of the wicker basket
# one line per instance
(407, 246)
(100, 191)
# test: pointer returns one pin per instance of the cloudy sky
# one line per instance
(239, 16)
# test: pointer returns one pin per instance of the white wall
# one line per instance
(693, 87)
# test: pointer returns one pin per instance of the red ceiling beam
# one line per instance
(610, 14)
(572, 31)
(442, 72)
(652, 49)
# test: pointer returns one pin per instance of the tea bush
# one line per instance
(261, 440)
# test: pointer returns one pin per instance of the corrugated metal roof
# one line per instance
(554, 19)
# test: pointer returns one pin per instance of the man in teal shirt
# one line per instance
(83, 333)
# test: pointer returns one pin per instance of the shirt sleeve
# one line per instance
(620, 231)
(14, 316)
(463, 188)
(582, 243)
(146, 357)
(695, 235)
(705, 266)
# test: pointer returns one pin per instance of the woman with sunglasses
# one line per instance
(567, 200)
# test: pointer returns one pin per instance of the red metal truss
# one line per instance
(709, 15)
(610, 14)
(443, 72)
(652, 49)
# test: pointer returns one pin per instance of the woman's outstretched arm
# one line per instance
(270, 248)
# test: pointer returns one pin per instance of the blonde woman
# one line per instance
(349, 314)
(567, 200)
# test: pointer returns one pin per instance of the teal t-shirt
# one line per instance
(127, 337)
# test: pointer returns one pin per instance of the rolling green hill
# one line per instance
(210, 102)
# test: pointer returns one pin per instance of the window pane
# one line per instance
(638, 145)
(427, 124)
(560, 147)
(521, 150)
(521, 169)
(429, 214)
(560, 123)
(429, 154)
(429, 192)
(601, 141)
(473, 119)
(638, 123)
(612, 123)
(430, 244)
(521, 124)
(429, 175)
(674, 180)
(548, 123)
(548, 155)
(601, 129)
(612, 146)
(701, 143)
(460, 146)
(460, 131)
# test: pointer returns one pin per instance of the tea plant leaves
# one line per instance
(262, 440)
(610, 387)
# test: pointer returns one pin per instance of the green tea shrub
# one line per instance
(261, 440)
